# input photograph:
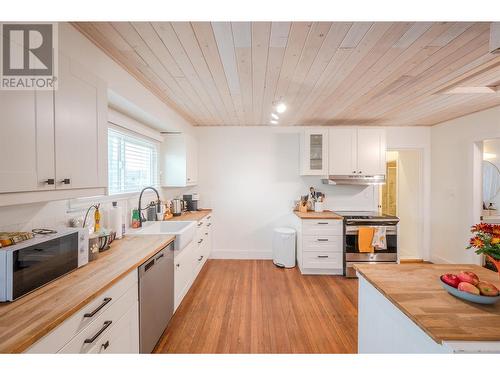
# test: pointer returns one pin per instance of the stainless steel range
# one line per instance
(353, 220)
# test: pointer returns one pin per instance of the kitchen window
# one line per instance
(132, 161)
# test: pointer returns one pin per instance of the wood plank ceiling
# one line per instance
(327, 73)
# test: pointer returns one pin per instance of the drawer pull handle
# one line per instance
(105, 345)
(323, 239)
(209, 217)
(107, 323)
(200, 258)
(105, 301)
(200, 241)
(200, 224)
(322, 256)
(322, 223)
(50, 181)
(209, 224)
(206, 234)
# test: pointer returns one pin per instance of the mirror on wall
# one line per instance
(491, 175)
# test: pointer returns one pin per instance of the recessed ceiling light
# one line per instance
(274, 122)
(275, 116)
(281, 107)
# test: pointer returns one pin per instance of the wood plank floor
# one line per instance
(251, 306)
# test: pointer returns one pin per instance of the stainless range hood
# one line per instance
(355, 180)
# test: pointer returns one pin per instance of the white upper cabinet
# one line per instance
(314, 152)
(80, 128)
(54, 140)
(26, 141)
(371, 151)
(179, 160)
(357, 151)
(342, 158)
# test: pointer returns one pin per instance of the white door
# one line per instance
(78, 128)
(314, 158)
(26, 141)
(342, 152)
(371, 151)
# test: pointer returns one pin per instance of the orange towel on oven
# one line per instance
(365, 239)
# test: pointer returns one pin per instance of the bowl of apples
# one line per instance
(467, 286)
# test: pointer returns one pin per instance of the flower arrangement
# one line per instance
(486, 241)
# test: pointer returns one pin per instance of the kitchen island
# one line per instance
(402, 308)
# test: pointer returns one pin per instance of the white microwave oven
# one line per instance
(31, 264)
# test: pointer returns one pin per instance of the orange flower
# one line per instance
(482, 227)
(495, 240)
(476, 242)
(496, 230)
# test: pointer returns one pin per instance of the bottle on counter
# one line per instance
(135, 218)
(97, 219)
(115, 219)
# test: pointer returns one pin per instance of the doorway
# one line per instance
(401, 196)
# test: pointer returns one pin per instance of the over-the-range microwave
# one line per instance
(31, 264)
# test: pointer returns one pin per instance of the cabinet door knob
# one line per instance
(66, 181)
(353, 171)
(105, 345)
(50, 181)
(359, 172)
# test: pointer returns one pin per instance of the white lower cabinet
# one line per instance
(320, 247)
(183, 276)
(108, 324)
(121, 338)
(190, 261)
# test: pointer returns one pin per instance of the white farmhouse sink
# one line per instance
(183, 230)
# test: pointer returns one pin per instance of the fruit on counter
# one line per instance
(468, 287)
(450, 279)
(468, 277)
(487, 289)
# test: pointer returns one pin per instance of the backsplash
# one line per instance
(53, 214)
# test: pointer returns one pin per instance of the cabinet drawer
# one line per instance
(322, 259)
(60, 336)
(122, 338)
(322, 227)
(103, 324)
(322, 243)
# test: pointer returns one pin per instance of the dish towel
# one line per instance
(379, 239)
(365, 239)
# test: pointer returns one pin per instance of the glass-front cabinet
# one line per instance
(314, 152)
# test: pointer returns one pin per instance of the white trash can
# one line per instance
(284, 247)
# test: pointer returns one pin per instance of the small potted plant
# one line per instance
(486, 241)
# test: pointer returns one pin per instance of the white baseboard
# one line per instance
(241, 254)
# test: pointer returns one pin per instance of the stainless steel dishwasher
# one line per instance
(156, 297)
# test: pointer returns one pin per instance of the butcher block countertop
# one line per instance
(325, 215)
(192, 215)
(415, 290)
(29, 318)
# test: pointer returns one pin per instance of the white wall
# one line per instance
(454, 185)
(250, 177)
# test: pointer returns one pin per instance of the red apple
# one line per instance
(468, 277)
(487, 289)
(468, 287)
(450, 279)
